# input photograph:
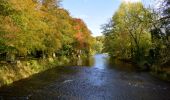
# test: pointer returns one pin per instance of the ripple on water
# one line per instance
(89, 83)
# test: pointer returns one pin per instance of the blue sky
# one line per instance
(94, 12)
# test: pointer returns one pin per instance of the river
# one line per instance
(98, 82)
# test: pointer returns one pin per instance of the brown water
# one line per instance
(98, 82)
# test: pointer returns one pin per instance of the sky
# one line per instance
(95, 12)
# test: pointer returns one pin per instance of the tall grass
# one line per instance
(23, 69)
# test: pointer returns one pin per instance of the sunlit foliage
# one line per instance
(128, 34)
(40, 28)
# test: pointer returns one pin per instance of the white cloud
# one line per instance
(131, 0)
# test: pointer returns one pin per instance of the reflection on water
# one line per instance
(87, 61)
(101, 81)
(79, 61)
(100, 61)
(123, 66)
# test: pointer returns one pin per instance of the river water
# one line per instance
(100, 81)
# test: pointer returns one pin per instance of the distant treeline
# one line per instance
(98, 46)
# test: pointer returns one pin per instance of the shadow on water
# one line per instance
(102, 61)
(94, 79)
(23, 89)
(37, 81)
(122, 66)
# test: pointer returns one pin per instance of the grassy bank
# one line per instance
(10, 72)
(161, 73)
(158, 71)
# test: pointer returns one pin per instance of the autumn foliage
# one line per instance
(33, 28)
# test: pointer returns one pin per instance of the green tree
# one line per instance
(98, 46)
(129, 35)
(161, 34)
(40, 28)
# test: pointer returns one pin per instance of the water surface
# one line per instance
(98, 82)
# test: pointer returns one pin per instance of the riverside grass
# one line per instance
(10, 73)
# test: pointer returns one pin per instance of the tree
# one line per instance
(98, 46)
(166, 8)
(7, 29)
(161, 34)
(40, 28)
(129, 36)
(51, 3)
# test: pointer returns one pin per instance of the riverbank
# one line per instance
(160, 72)
(11, 72)
(98, 82)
